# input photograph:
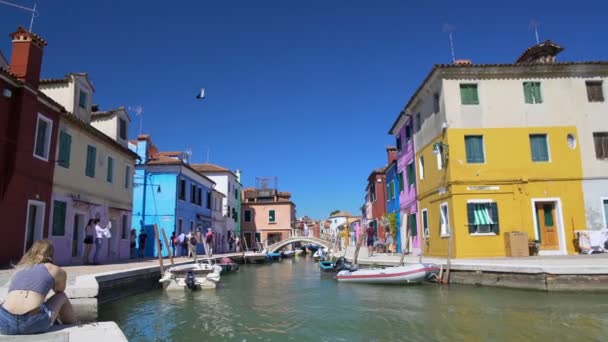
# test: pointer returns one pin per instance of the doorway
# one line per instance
(78, 235)
(34, 223)
(549, 227)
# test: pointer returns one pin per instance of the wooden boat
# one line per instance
(288, 254)
(255, 257)
(413, 273)
(195, 276)
(273, 255)
(228, 265)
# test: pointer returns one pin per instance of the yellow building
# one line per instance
(508, 147)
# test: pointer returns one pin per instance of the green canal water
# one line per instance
(290, 301)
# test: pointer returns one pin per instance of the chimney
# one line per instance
(238, 175)
(463, 62)
(26, 58)
(391, 153)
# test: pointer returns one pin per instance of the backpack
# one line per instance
(193, 240)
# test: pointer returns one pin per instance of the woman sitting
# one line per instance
(25, 310)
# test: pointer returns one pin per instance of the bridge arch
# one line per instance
(277, 246)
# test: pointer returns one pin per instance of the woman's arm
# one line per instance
(60, 280)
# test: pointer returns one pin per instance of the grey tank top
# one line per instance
(34, 278)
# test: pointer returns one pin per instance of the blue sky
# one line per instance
(301, 90)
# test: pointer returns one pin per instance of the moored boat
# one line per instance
(273, 255)
(413, 273)
(337, 266)
(228, 265)
(191, 276)
(255, 257)
(288, 254)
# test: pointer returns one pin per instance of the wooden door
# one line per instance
(547, 225)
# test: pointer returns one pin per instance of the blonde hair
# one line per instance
(41, 252)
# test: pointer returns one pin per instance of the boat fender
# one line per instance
(190, 280)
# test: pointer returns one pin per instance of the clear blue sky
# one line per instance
(301, 90)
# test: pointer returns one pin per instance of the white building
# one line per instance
(336, 220)
(219, 222)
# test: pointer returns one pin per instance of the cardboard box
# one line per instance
(516, 244)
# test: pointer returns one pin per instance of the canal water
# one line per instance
(291, 301)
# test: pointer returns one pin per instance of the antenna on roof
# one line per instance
(189, 153)
(450, 30)
(534, 25)
(138, 111)
(33, 10)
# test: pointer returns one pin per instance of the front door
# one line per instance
(77, 235)
(547, 226)
(34, 223)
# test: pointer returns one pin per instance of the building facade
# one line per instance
(510, 147)
(394, 186)
(336, 221)
(376, 201)
(168, 193)
(219, 220)
(28, 138)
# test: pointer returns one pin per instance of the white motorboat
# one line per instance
(255, 257)
(195, 276)
(320, 254)
(288, 254)
(299, 252)
(413, 273)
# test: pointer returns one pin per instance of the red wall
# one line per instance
(379, 206)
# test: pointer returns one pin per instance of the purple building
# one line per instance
(409, 232)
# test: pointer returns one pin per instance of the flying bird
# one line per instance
(201, 95)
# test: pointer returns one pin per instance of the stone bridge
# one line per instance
(277, 246)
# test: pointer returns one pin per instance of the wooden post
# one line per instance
(168, 248)
(447, 271)
(160, 252)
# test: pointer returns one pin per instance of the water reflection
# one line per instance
(289, 300)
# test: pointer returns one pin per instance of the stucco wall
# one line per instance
(595, 193)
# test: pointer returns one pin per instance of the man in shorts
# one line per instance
(370, 232)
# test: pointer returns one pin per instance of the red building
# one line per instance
(28, 133)
(376, 196)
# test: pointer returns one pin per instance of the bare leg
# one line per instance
(87, 251)
(61, 308)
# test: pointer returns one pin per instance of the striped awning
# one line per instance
(482, 214)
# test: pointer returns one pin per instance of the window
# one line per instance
(421, 167)
(236, 193)
(411, 174)
(600, 139)
(408, 133)
(59, 211)
(436, 106)
(468, 94)
(483, 217)
(445, 220)
(122, 129)
(247, 215)
(398, 142)
(400, 178)
(474, 149)
(392, 189)
(125, 228)
(272, 216)
(193, 193)
(91, 158)
(128, 177)
(182, 189)
(110, 175)
(539, 147)
(200, 197)
(42, 144)
(425, 223)
(82, 99)
(413, 224)
(439, 155)
(208, 199)
(180, 226)
(65, 146)
(595, 91)
(532, 93)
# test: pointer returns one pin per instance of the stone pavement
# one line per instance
(94, 332)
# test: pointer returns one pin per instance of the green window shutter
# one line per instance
(110, 175)
(413, 226)
(91, 158)
(494, 216)
(532, 92)
(539, 148)
(527, 92)
(606, 210)
(536, 92)
(408, 133)
(471, 216)
(468, 94)
(411, 177)
(474, 149)
(59, 210)
(271, 216)
(65, 146)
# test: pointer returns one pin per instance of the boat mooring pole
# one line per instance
(168, 248)
(447, 271)
(160, 252)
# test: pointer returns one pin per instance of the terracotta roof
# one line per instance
(547, 48)
(66, 78)
(162, 159)
(143, 137)
(341, 214)
(207, 167)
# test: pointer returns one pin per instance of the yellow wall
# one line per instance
(508, 177)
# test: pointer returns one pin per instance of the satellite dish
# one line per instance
(201, 95)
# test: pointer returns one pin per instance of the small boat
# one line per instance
(273, 255)
(413, 273)
(228, 265)
(320, 254)
(288, 254)
(337, 266)
(195, 276)
(255, 257)
(312, 247)
(299, 252)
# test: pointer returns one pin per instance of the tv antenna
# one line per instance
(139, 111)
(534, 25)
(33, 10)
(449, 28)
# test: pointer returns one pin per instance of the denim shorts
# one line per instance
(25, 324)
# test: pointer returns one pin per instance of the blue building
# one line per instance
(168, 192)
(394, 185)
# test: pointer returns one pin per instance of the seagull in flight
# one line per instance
(201, 95)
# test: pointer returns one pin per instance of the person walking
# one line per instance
(181, 240)
(390, 246)
(25, 309)
(370, 232)
(101, 233)
(209, 242)
(173, 243)
(191, 242)
(89, 240)
(230, 240)
(237, 244)
(142, 242)
(132, 240)
(200, 248)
